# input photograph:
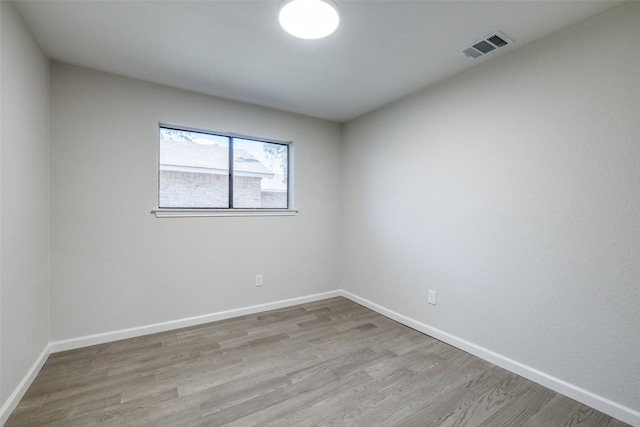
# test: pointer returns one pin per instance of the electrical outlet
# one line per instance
(258, 280)
(432, 297)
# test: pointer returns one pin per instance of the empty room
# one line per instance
(219, 213)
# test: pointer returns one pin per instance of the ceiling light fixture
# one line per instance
(309, 19)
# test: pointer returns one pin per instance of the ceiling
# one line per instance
(382, 51)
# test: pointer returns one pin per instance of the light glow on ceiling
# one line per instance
(309, 19)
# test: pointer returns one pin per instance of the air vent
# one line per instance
(472, 53)
(487, 44)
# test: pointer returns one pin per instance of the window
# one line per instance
(200, 170)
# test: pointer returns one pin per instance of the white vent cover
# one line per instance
(487, 44)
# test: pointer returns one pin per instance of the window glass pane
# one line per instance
(260, 174)
(193, 170)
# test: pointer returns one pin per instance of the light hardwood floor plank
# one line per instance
(330, 362)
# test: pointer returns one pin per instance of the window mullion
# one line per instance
(230, 173)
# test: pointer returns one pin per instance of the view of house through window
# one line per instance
(195, 170)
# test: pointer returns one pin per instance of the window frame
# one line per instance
(174, 212)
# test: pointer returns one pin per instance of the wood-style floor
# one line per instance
(331, 362)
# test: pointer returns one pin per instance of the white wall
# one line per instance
(513, 190)
(116, 266)
(24, 201)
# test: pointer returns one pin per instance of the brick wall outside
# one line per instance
(274, 200)
(246, 192)
(200, 190)
(184, 189)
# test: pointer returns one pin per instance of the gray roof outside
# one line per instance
(210, 157)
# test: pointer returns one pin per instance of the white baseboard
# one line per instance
(22, 387)
(600, 403)
(105, 337)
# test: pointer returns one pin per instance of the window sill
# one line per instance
(187, 213)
